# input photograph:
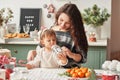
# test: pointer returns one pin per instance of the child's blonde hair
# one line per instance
(46, 33)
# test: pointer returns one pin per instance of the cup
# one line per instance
(108, 75)
(18, 29)
(26, 28)
(33, 34)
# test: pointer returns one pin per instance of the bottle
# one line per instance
(57, 49)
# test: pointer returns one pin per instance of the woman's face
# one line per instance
(64, 22)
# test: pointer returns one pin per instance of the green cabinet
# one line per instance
(96, 54)
(96, 57)
(19, 51)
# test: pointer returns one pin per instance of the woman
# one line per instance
(70, 34)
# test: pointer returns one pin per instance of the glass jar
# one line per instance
(3, 31)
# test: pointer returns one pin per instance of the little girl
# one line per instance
(46, 57)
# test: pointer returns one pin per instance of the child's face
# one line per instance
(49, 41)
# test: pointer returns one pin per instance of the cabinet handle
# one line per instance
(15, 51)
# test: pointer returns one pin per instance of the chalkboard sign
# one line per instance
(30, 17)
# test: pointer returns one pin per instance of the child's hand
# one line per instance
(29, 66)
(62, 57)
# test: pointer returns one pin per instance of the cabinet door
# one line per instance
(96, 57)
(103, 55)
(19, 51)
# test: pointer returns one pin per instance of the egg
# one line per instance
(115, 61)
(118, 67)
(105, 64)
(112, 66)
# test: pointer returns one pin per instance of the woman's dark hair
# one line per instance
(77, 28)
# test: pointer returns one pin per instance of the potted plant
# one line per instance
(95, 17)
(6, 16)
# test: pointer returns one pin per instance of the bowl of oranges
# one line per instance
(82, 73)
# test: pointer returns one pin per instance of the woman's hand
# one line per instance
(77, 57)
(67, 52)
(61, 56)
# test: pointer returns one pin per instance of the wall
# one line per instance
(114, 42)
(15, 5)
(115, 27)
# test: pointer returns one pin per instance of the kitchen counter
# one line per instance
(98, 43)
(22, 42)
(28, 41)
(32, 42)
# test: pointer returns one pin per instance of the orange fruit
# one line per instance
(88, 74)
(77, 70)
(72, 71)
(68, 70)
(75, 75)
(81, 75)
(84, 70)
